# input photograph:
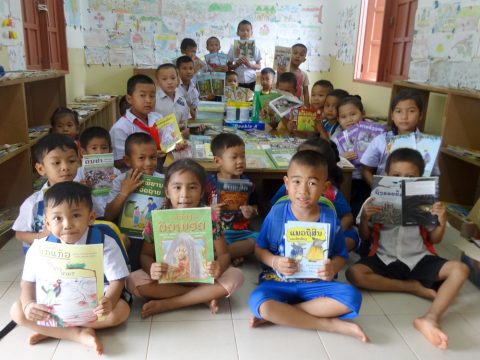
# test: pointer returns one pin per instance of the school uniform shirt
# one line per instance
(32, 213)
(302, 80)
(124, 127)
(99, 201)
(191, 94)
(114, 266)
(165, 106)
(245, 74)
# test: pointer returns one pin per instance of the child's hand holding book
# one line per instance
(158, 270)
(284, 265)
(326, 272)
(104, 307)
(131, 183)
(439, 209)
(248, 211)
(213, 269)
(36, 312)
(369, 210)
(350, 155)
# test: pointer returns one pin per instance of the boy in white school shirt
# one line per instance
(187, 87)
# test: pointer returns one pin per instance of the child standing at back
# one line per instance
(403, 259)
(321, 303)
(69, 216)
(56, 157)
(229, 156)
(245, 68)
(405, 111)
(185, 184)
(187, 87)
(213, 47)
(188, 47)
(299, 55)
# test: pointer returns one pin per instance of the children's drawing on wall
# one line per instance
(346, 26)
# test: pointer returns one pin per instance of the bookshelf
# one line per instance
(460, 126)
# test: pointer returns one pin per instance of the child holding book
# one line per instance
(229, 157)
(169, 99)
(93, 141)
(188, 47)
(187, 87)
(321, 303)
(56, 157)
(286, 83)
(69, 215)
(185, 184)
(140, 158)
(329, 126)
(139, 118)
(213, 47)
(335, 177)
(65, 121)
(245, 68)
(406, 111)
(403, 258)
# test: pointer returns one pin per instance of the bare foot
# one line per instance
(238, 261)
(153, 307)
(431, 330)
(256, 322)
(213, 305)
(420, 290)
(88, 337)
(36, 338)
(347, 328)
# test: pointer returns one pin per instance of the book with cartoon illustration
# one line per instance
(304, 118)
(70, 282)
(404, 201)
(139, 205)
(218, 83)
(99, 173)
(204, 85)
(236, 93)
(183, 240)
(169, 133)
(264, 100)
(233, 194)
(307, 243)
(258, 159)
(215, 60)
(244, 48)
(367, 131)
(283, 105)
(282, 58)
(281, 157)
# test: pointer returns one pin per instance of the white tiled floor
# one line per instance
(196, 334)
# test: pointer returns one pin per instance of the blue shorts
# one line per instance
(232, 236)
(297, 292)
(353, 234)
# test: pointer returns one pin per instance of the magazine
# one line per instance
(367, 131)
(284, 104)
(404, 201)
(307, 243)
(139, 205)
(99, 173)
(244, 48)
(281, 157)
(216, 59)
(183, 240)
(304, 118)
(258, 159)
(282, 58)
(70, 282)
(169, 133)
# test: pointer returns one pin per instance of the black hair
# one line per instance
(123, 105)
(212, 38)
(224, 141)
(338, 93)
(406, 155)
(52, 142)
(355, 100)
(230, 73)
(61, 112)
(244, 22)
(267, 70)
(324, 83)
(300, 45)
(287, 78)
(328, 149)
(165, 66)
(183, 165)
(310, 158)
(183, 60)
(94, 132)
(137, 138)
(187, 43)
(68, 191)
(138, 79)
(406, 94)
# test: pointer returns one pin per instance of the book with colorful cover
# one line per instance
(99, 173)
(169, 133)
(282, 58)
(346, 140)
(183, 240)
(403, 141)
(264, 100)
(307, 243)
(428, 146)
(201, 151)
(236, 93)
(204, 85)
(304, 118)
(69, 282)
(218, 83)
(367, 131)
(138, 207)
(244, 48)
(233, 194)
(216, 59)
(281, 157)
(258, 159)
(404, 201)
(283, 105)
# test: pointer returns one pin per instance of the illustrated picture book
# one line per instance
(204, 85)
(183, 240)
(367, 131)
(404, 201)
(284, 104)
(281, 157)
(244, 48)
(304, 118)
(282, 58)
(139, 205)
(233, 193)
(236, 93)
(307, 243)
(169, 133)
(99, 173)
(70, 282)
(264, 100)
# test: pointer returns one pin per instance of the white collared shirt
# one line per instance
(165, 106)
(191, 94)
(28, 219)
(245, 74)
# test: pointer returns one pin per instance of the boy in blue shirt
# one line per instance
(309, 304)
